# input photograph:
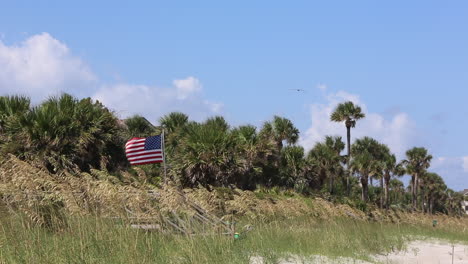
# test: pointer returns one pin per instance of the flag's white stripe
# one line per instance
(144, 156)
(135, 145)
(142, 152)
(135, 149)
(135, 141)
(146, 160)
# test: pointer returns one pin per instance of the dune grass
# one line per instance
(98, 240)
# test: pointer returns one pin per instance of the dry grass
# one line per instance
(45, 197)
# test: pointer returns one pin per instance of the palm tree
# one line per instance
(275, 132)
(453, 201)
(293, 165)
(325, 157)
(174, 125)
(11, 106)
(397, 188)
(367, 161)
(12, 109)
(349, 113)
(433, 189)
(173, 121)
(251, 153)
(418, 160)
(280, 129)
(138, 126)
(66, 133)
(391, 168)
(207, 154)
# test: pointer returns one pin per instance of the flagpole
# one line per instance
(164, 157)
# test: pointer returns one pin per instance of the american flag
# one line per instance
(141, 151)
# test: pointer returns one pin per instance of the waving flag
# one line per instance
(148, 150)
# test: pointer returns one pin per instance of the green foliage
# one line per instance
(138, 126)
(347, 112)
(67, 134)
(63, 132)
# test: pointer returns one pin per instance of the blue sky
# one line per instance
(406, 62)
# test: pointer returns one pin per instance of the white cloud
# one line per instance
(465, 163)
(187, 87)
(398, 132)
(40, 66)
(153, 102)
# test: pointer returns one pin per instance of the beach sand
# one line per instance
(417, 252)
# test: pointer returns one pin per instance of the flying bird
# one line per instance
(298, 90)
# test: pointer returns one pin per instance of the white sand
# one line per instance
(417, 252)
(428, 252)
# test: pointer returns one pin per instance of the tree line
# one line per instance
(66, 133)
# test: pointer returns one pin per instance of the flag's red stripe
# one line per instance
(141, 152)
(135, 145)
(149, 162)
(135, 150)
(146, 158)
(133, 140)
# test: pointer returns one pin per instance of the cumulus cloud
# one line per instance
(40, 66)
(398, 132)
(153, 102)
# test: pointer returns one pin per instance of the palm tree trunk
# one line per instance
(431, 205)
(348, 137)
(381, 194)
(331, 183)
(365, 193)
(423, 203)
(387, 183)
(414, 196)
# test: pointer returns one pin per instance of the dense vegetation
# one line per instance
(67, 134)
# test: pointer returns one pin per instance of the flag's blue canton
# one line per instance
(153, 142)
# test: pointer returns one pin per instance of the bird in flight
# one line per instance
(298, 90)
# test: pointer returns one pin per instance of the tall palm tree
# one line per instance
(417, 161)
(349, 113)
